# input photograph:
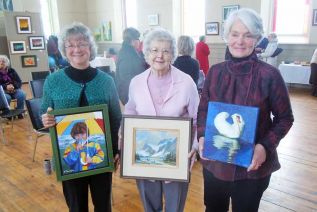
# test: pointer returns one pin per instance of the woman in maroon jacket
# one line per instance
(244, 80)
(202, 52)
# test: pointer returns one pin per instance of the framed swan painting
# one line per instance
(230, 133)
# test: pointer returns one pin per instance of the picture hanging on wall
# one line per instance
(36, 42)
(17, 47)
(227, 10)
(153, 20)
(6, 5)
(28, 61)
(24, 24)
(212, 28)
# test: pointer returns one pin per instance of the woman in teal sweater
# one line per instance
(76, 86)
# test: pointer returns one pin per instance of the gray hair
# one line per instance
(78, 29)
(5, 59)
(249, 18)
(158, 34)
(185, 45)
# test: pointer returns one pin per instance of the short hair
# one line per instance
(185, 45)
(249, 18)
(79, 128)
(130, 34)
(158, 34)
(78, 29)
(5, 60)
(202, 38)
(273, 34)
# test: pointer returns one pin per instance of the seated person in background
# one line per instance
(55, 58)
(111, 53)
(261, 45)
(268, 54)
(11, 83)
(184, 61)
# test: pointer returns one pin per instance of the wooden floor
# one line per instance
(25, 187)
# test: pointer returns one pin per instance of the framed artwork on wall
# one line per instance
(212, 28)
(81, 142)
(29, 61)
(226, 10)
(315, 17)
(36, 42)
(155, 148)
(24, 24)
(153, 20)
(17, 47)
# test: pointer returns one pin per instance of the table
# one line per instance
(103, 61)
(293, 73)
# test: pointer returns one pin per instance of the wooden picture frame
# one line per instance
(29, 61)
(74, 157)
(24, 24)
(212, 28)
(156, 148)
(226, 10)
(230, 133)
(36, 42)
(314, 22)
(17, 47)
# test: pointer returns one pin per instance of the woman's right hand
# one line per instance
(201, 148)
(48, 119)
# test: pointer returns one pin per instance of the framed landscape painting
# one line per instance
(81, 142)
(230, 133)
(29, 61)
(226, 10)
(155, 148)
(24, 24)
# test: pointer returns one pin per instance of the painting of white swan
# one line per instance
(230, 133)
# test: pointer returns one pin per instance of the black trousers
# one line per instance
(76, 193)
(245, 194)
(313, 78)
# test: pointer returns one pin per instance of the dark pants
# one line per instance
(245, 194)
(313, 78)
(76, 193)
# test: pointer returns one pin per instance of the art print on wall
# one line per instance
(155, 148)
(17, 47)
(24, 24)
(212, 28)
(29, 61)
(36, 42)
(81, 142)
(227, 10)
(230, 133)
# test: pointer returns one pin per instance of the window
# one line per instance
(49, 17)
(290, 21)
(131, 13)
(194, 18)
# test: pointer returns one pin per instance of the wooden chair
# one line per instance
(6, 113)
(36, 87)
(36, 75)
(33, 107)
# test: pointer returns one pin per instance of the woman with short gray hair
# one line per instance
(243, 80)
(163, 90)
(184, 61)
(80, 85)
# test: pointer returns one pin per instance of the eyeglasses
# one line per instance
(156, 52)
(80, 46)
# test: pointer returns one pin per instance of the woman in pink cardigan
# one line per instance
(162, 90)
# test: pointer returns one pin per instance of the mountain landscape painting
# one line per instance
(156, 147)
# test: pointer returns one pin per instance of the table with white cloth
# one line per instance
(293, 73)
(103, 61)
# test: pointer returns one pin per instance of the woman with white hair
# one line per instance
(163, 90)
(243, 79)
(268, 54)
(11, 83)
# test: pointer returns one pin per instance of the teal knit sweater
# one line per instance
(61, 92)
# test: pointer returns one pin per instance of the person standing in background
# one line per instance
(261, 45)
(129, 63)
(184, 61)
(202, 52)
(268, 54)
(313, 74)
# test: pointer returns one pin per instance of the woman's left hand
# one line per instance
(192, 157)
(116, 162)
(259, 157)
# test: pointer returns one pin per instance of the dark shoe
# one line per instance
(20, 116)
